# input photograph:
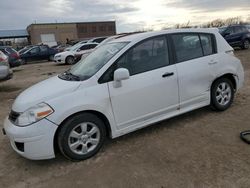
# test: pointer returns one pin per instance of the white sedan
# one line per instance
(74, 53)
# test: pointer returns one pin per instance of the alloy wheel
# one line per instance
(223, 93)
(84, 138)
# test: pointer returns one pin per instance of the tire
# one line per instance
(81, 136)
(246, 44)
(222, 94)
(70, 60)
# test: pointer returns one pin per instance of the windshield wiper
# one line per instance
(67, 75)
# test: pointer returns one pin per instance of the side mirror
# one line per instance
(119, 75)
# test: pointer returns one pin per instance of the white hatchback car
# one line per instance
(124, 85)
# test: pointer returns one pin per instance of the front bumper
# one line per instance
(59, 60)
(35, 141)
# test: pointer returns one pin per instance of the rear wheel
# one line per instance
(246, 44)
(222, 94)
(70, 60)
(81, 136)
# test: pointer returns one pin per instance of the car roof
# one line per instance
(141, 36)
(84, 44)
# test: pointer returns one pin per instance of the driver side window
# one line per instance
(146, 56)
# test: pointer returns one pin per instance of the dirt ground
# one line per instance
(199, 149)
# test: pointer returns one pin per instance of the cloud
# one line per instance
(130, 15)
(209, 5)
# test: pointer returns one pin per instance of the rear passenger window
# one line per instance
(148, 55)
(187, 46)
(207, 44)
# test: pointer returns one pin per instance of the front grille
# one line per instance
(13, 116)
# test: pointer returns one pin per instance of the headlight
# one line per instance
(34, 114)
(58, 56)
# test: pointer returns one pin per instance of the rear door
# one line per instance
(195, 56)
(151, 92)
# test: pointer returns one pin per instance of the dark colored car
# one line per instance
(39, 52)
(25, 49)
(236, 35)
(13, 55)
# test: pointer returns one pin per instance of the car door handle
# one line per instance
(167, 74)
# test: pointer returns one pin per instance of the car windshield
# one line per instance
(222, 29)
(96, 60)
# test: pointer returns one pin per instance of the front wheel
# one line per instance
(222, 94)
(81, 136)
(70, 60)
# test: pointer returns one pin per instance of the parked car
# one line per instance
(25, 49)
(236, 35)
(75, 45)
(126, 84)
(39, 52)
(13, 55)
(5, 71)
(83, 56)
(75, 53)
(97, 39)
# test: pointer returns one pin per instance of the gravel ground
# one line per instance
(198, 149)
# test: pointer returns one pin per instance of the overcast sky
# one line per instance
(130, 15)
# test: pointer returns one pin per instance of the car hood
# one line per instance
(42, 92)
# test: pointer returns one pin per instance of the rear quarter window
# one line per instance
(189, 46)
(207, 42)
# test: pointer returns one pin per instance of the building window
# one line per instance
(94, 29)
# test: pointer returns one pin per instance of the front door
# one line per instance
(151, 92)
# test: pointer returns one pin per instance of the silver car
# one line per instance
(5, 71)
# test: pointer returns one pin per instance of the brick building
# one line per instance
(59, 32)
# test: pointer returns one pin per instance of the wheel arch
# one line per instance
(229, 76)
(97, 113)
